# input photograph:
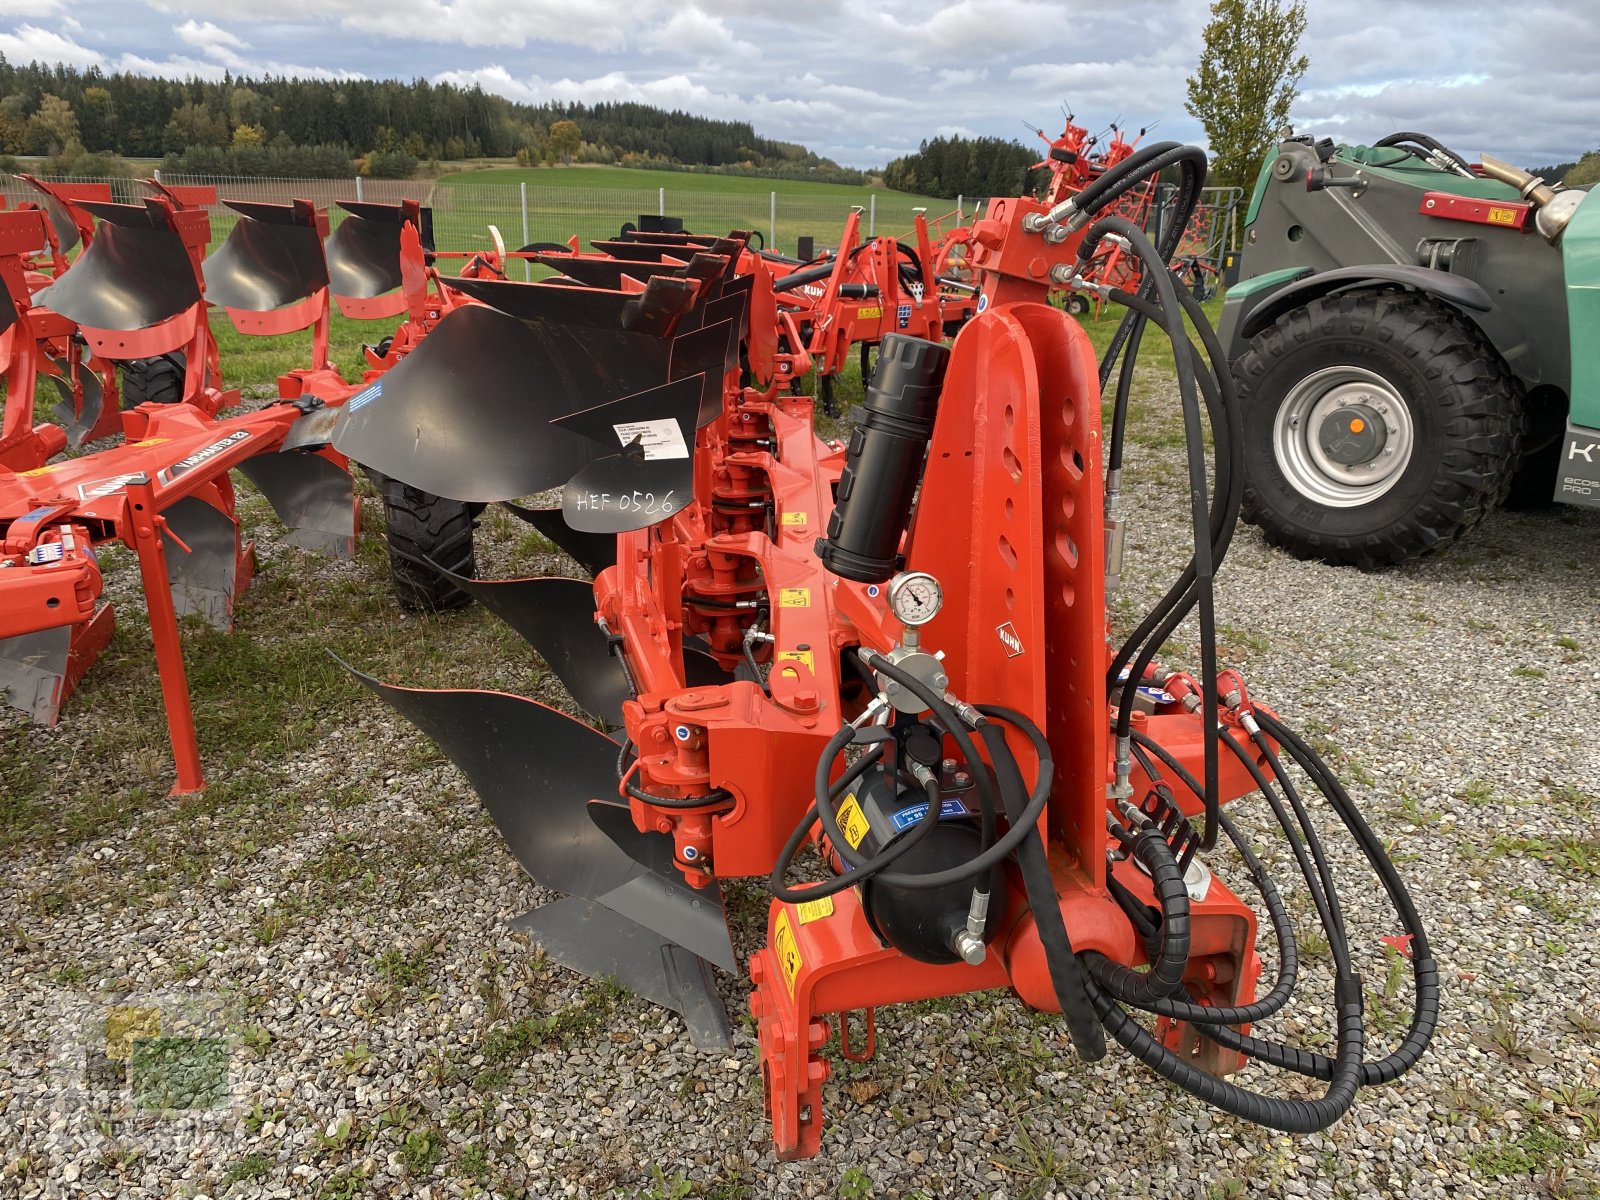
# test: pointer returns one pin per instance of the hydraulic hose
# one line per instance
(1033, 862)
(1200, 510)
(1165, 977)
(1277, 914)
(1289, 1116)
(1399, 140)
(715, 798)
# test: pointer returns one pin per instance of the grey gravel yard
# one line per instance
(322, 931)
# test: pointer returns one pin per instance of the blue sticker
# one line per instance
(983, 301)
(360, 398)
(908, 817)
(873, 590)
(903, 315)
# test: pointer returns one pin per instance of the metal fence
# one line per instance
(524, 213)
(463, 211)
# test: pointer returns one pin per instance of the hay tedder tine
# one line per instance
(556, 617)
(536, 769)
(578, 933)
(594, 552)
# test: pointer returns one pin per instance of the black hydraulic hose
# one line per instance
(1228, 439)
(1317, 883)
(1033, 862)
(1192, 176)
(1212, 1022)
(1123, 176)
(1165, 977)
(1426, 141)
(1424, 970)
(1119, 410)
(715, 798)
(803, 276)
(1002, 848)
(1289, 1116)
(1200, 508)
(785, 862)
(1277, 913)
(1313, 841)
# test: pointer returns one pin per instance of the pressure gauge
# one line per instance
(915, 597)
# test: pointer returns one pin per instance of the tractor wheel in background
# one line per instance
(1378, 426)
(1077, 304)
(157, 380)
(424, 529)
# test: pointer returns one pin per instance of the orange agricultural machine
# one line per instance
(889, 659)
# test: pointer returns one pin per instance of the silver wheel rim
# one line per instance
(1343, 436)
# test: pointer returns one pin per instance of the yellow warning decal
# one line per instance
(1502, 216)
(786, 948)
(799, 656)
(868, 314)
(796, 518)
(852, 821)
(814, 910)
(794, 597)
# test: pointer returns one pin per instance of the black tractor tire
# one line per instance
(424, 529)
(1452, 413)
(157, 380)
(1077, 304)
(1533, 483)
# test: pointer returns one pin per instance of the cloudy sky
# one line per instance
(863, 83)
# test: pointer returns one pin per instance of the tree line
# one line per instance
(60, 110)
(948, 167)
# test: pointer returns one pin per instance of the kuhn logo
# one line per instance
(1009, 639)
(1577, 451)
(106, 487)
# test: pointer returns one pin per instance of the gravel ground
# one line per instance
(317, 945)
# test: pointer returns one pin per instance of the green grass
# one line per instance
(592, 202)
(626, 178)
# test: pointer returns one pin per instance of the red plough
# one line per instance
(895, 652)
(140, 290)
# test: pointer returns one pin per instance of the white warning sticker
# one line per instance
(658, 439)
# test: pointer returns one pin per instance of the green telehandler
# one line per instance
(1414, 341)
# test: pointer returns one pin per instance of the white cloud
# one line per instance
(861, 83)
(29, 43)
(29, 8)
(209, 39)
(695, 34)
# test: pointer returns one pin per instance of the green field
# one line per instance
(593, 202)
(624, 178)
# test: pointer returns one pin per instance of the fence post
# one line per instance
(961, 218)
(872, 215)
(527, 267)
(661, 203)
(358, 188)
(772, 224)
(156, 174)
